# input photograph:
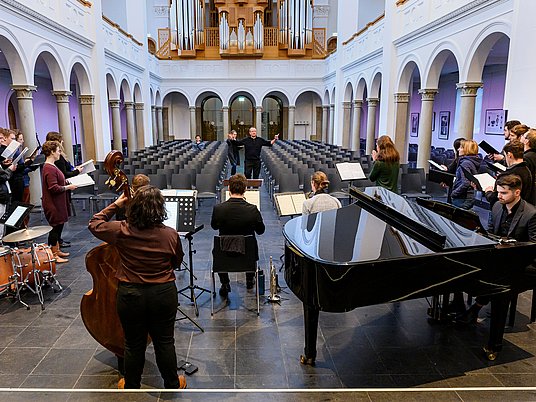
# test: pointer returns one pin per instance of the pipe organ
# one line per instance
(273, 29)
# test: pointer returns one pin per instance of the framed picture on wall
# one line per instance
(414, 125)
(433, 121)
(444, 125)
(495, 119)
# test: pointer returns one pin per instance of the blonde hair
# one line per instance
(320, 180)
(469, 147)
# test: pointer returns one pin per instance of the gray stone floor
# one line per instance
(383, 348)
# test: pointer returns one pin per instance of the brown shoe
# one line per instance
(182, 382)
(63, 254)
(121, 383)
(58, 255)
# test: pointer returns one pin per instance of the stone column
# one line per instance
(372, 104)
(291, 129)
(401, 125)
(325, 122)
(466, 123)
(64, 122)
(140, 133)
(87, 136)
(116, 124)
(154, 124)
(346, 129)
(160, 123)
(27, 126)
(331, 129)
(192, 123)
(258, 120)
(356, 128)
(131, 128)
(425, 127)
(226, 127)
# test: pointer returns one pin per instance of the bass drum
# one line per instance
(6, 269)
(44, 262)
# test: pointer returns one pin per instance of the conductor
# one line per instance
(252, 155)
(237, 217)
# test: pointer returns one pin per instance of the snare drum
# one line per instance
(44, 262)
(6, 269)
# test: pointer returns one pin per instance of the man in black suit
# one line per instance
(237, 217)
(252, 155)
(512, 218)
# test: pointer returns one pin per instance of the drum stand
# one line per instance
(17, 284)
(192, 287)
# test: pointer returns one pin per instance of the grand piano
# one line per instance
(385, 248)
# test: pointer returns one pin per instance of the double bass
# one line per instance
(98, 305)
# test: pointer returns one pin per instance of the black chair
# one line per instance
(86, 193)
(181, 181)
(159, 181)
(412, 186)
(223, 261)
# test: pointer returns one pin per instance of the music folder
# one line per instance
(440, 176)
(488, 148)
(16, 214)
(350, 171)
(482, 180)
(289, 204)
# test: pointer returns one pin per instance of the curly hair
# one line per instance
(146, 209)
(49, 147)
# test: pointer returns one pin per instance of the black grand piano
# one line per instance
(384, 248)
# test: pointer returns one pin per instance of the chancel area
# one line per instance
(289, 199)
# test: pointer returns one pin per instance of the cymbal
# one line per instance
(26, 234)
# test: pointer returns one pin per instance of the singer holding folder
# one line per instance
(463, 194)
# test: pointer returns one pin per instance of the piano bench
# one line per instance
(513, 308)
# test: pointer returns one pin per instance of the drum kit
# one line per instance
(29, 268)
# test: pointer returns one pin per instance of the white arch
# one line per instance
(406, 68)
(111, 85)
(348, 91)
(16, 60)
(126, 88)
(307, 89)
(52, 60)
(277, 92)
(332, 101)
(80, 68)
(440, 54)
(360, 88)
(138, 97)
(247, 94)
(375, 85)
(325, 99)
(480, 48)
(158, 98)
(176, 90)
(151, 93)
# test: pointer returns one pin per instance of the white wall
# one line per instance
(369, 10)
(116, 10)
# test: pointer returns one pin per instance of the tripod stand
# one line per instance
(191, 287)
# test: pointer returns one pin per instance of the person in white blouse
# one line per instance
(321, 200)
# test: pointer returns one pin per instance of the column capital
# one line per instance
(401, 97)
(86, 99)
(139, 106)
(114, 103)
(373, 101)
(258, 108)
(225, 108)
(326, 107)
(347, 105)
(469, 88)
(358, 103)
(129, 105)
(62, 96)
(428, 94)
(332, 106)
(192, 108)
(24, 91)
(158, 108)
(291, 107)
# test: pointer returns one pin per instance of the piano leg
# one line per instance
(310, 315)
(499, 310)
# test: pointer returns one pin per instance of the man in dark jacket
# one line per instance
(253, 147)
(232, 151)
(237, 217)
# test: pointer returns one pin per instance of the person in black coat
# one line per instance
(252, 155)
(237, 217)
(232, 151)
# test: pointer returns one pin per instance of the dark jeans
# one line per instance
(55, 234)
(224, 277)
(252, 169)
(146, 309)
(233, 169)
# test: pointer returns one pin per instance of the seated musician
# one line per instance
(147, 295)
(514, 218)
(237, 217)
(320, 200)
(138, 181)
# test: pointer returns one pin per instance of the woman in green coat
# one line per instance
(386, 164)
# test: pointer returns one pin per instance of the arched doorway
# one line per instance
(212, 120)
(272, 117)
(242, 115)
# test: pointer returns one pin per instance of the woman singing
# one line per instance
(147, 295)
(386, 164)
(55, 203)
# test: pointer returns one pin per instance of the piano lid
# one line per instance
(352, 234)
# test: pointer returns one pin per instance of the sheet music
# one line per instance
(485, 180)
(82, 180)
(178, 193)
(251, 196)
(10, 149)
(15, 215)
(350, 171)
(18, 158)
(436, 165)
(290, 204)
(499, 166)
(88, 166)
(172, 209)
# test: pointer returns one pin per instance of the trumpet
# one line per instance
(274, 297)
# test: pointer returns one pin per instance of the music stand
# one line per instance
(289, 204)
(441, 176)
(16, 214)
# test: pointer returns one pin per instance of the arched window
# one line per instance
(212, 125)
(272, 117)
(242, 115)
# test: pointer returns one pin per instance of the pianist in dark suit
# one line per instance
(236, 217)
(513, 218)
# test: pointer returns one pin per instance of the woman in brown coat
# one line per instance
(54, 201)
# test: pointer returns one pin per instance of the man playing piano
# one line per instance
(512, 218)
